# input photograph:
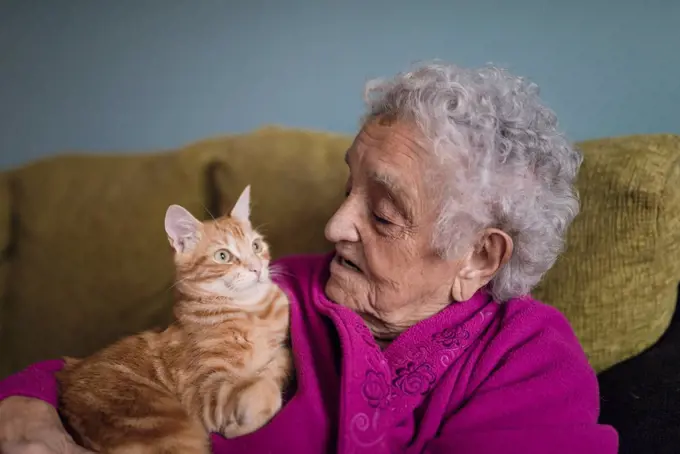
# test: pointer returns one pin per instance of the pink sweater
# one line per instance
(476, 378)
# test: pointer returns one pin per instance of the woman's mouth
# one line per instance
(348, 264)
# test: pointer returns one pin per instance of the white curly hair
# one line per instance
(502, 162)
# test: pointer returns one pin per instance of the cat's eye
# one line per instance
(257, 246)
(223, 256)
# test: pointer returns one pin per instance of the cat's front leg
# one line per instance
(254, 406)
(257, 404)
(210, 399)
(280, 368)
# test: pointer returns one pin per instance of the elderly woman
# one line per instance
(417, 334)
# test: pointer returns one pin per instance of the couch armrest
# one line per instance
(641, 396)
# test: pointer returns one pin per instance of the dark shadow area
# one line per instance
(641, 397)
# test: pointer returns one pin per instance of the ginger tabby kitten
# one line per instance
(220, 367)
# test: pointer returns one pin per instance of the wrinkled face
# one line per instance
(385, 268)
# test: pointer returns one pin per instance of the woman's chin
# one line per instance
(336, 291)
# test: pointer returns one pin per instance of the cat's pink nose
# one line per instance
(255, 269)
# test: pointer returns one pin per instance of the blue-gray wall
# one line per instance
(142, 74)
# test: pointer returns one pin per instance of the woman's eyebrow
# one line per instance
(395, 190)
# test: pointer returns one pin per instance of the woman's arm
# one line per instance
(36, 381)
(533, 392)
(29, 421)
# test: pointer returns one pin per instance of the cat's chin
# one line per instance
(252, 288)
(242, 291)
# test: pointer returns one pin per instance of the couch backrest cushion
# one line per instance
(297, 178)
(617, 282)
(5, 241)
(92, 261)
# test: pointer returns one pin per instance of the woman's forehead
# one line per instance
(389, 157)
(387, 150)
(397, 133)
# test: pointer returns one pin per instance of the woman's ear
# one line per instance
(492, 251)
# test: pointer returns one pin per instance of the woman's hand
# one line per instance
(33, 426)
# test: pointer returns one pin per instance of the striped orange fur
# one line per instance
(221, 366)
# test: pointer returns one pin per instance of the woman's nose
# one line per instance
(342, 225)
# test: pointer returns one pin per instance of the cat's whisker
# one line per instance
(208, 211)
(276, 267)
(275, 271)
(179, 281)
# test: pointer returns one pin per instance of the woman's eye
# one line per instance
(380, 220)
(222, 256)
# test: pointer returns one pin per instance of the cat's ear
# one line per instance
(183, 229)
(241, 210)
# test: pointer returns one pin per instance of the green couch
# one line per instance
(85, 259)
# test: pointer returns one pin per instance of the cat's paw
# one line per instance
(255, 406)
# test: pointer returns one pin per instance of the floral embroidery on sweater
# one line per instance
(415, 379)
(414, 373)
